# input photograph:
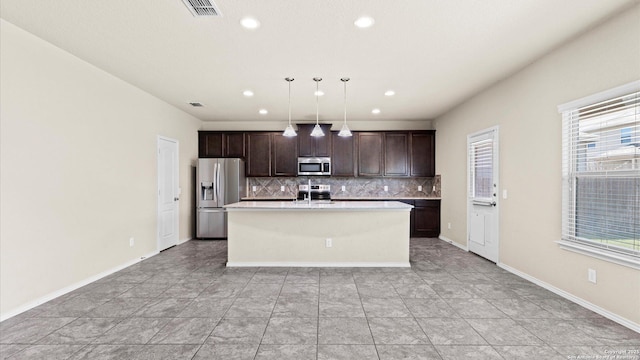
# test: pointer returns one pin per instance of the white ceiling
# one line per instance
(432, 53)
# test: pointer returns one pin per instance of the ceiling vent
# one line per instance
(202, 7)
(196, 104)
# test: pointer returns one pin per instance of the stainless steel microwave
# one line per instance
(314, 166)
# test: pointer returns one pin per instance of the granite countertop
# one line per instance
(383, 198)
(320, 205)
(361, 198)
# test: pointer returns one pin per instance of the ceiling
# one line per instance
(433, 53)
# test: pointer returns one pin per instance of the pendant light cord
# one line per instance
(289, 81)
(317, 106)
(345, 101)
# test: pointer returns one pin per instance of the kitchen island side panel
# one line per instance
(299, 238)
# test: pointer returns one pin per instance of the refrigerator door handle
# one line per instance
(214, 191)
(218, 183)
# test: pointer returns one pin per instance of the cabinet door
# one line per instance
(314, 146)
(426, 218)
(423, 154)
(323, 143)
(258, 154)
(209, 144)
(370, 147)
(343, 159)
(285, 155)
(396, 154)
(234, 145)
(305, 141)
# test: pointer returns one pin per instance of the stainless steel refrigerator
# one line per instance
(219, 182)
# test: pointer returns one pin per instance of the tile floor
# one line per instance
(184, 304)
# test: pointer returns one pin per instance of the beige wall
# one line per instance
(78, 169)
(524, 106)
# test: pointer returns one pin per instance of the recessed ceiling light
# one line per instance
(364, 22)
(375, 111)
(250, 23)
(247, 93)
(389, 93)
(263, 112)
(319, 93)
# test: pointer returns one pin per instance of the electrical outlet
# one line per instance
(386, 188)
(328, 242)
(449, 226)
(419, 187)
(344, 188)
(591, 275)
(282, 188)
(254, 188)
(131, 242)
(433, 189)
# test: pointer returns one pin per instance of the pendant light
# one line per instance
(289, 131)
(345, 132)
(317, 130)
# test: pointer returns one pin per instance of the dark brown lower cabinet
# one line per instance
(426, 218)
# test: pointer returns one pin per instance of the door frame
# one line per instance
(158, 181)
(496, 130)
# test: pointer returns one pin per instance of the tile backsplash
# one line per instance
(354, 187)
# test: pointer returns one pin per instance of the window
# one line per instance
(625, 135)
(601, 175)
(481, 153)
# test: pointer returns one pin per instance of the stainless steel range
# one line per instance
(317, 192)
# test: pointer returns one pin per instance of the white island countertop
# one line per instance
(319, 205)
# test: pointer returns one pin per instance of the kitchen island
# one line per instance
(319, 233)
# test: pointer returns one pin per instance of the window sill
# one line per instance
(619, 259)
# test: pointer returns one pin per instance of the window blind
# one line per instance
(481, 169)
(601, 174)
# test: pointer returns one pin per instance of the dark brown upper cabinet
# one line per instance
(309, 146)
(258, 154)
(234, 144)
(396, 154)
(210, 144)
(343, 159)
(285, 155)
(423, 153)
(370, 153)
(214, 144)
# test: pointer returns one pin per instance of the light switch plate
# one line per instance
(386, 188)
(419, 187)
(591, 275)
(504, 193)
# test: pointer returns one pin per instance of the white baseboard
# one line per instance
(446, 239)
(584, 303)
(180, 242)
(317, 264)
(32, 304)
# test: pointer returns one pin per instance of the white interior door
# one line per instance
(168, 193)
(482, 196)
